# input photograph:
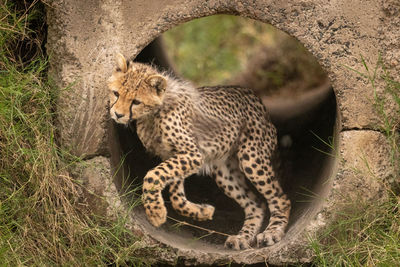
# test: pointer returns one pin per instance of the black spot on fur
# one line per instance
(248, 170)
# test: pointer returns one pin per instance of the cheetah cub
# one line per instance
(221, 131)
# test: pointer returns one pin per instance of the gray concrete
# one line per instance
(84, 36)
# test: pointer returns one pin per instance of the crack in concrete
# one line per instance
(361, 129)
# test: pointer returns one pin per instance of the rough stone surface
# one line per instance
(84, 36)
(364, 170)
(365, 164)
(102, 195)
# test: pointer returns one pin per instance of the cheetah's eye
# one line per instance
(136, 102)
(116, 93)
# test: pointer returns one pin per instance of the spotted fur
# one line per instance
(222, 131)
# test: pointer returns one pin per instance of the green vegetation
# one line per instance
(209, 57)
(44, 219)
(365, 234)
(244, 52)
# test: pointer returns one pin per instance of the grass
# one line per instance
(44, 219)
(363, 234)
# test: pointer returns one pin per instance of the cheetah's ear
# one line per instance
(122, 63)
(158, 82)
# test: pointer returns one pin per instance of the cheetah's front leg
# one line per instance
(180, 165)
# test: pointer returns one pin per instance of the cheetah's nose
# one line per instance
(118, 115)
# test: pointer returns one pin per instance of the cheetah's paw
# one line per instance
(237, 242)
(156, 215)
(206, 212)
(269, 237)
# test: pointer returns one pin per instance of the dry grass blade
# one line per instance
(209, 231)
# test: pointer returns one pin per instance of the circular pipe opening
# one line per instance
(306, 128)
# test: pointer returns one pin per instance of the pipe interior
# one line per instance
(305, 169)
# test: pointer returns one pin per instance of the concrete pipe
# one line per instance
(83, 37)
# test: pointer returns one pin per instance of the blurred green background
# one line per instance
(226, 49)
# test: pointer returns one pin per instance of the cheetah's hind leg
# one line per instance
(199, 212)
(259, 170)
(233, 182)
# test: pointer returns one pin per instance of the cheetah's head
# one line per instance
(136, 90)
